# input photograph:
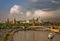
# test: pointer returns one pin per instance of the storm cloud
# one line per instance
(45, 4)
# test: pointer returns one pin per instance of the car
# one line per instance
(50, 36)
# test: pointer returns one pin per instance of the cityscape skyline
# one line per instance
(27, 9)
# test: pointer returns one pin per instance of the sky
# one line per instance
(27, 9)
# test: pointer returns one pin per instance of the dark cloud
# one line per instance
(57, 0)
(45, 4)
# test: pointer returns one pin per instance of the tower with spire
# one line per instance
(14, 21)
(33, 22)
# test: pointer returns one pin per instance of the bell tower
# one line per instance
(33, 22)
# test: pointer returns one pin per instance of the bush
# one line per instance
(6, 37)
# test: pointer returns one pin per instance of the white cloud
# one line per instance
(16, 9)
(43, 14)
(15, 12)
(39, 13)
(28, 13)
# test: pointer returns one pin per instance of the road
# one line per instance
(34, 36)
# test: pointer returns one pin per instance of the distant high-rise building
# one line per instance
(14, 21)
(33, 22)
(7, 21)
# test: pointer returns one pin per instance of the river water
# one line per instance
(34, 36)
(31, 36)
